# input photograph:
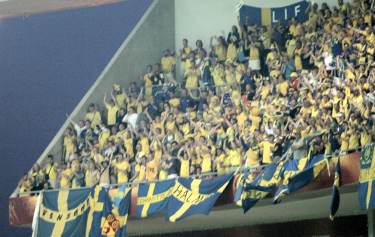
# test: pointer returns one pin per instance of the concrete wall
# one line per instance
(153, 33)
(197, 19)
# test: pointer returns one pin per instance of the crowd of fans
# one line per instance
(245, 100)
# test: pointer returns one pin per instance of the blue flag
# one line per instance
(153, 197)
(255, 189)
(69, 212)
(366, 178)
(99, 206)
(195, 196)
(290, 168)
(335, 202)
(313, 168)
(269, 16)
(115, 219)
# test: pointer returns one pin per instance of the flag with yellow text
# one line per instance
(153, 197)
(191, 196)
(67, 213)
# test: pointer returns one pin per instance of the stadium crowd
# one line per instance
(247, 99)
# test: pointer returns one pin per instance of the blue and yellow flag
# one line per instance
(335, 202)
(195, 196)
(290, 168)
(366, 178)
(269, 16)
(115, 219)
(153, 197)
(254, 189)
(99, 205)
(69, 212)
(313, 168)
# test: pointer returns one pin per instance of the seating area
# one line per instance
(250, 98)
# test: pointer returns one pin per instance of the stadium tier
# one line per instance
(278, 104)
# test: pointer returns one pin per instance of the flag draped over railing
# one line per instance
(195, 196)
(366, 189)
(94, 212)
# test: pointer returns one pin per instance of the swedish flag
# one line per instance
(195, 196)
(69, 212)
(115, 219)
(335, 202)
(313, 168)
(290, 168)
(366, 178)
(254, 189)
(153, 197)
(99, 206)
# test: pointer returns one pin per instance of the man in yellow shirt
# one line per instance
(123, 168)
(93, 116)
(112, 109)
(267, 147)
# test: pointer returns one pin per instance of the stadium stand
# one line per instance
(247, 99)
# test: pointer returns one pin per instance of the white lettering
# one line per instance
(286, 13)
(296, 10)
(274, 18)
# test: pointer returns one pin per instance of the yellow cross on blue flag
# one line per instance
(116, 216)
(252, 189)
(191, 196)
(366, 178)
(314, 166)
(69, 212)
(153, 197)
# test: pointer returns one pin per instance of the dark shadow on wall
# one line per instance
(349, 226)
(47, 63)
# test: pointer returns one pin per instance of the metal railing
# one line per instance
(204, 175)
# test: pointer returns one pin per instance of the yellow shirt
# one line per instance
(290, 46)
(220, 164)
(241, 118)
(141, 170)
(234, 157)
(145, 146)
(252, 155)
(69, 143)
(267, 151)
(206, 163)
(282, 88)
(120, 99)
(365, 138)
(221, 52)
(90, 178)
(218, 75)
(167, 63)
(51, 171)
(123, 168)
(65, 178)
(232, 52)
(128, 145)
(103, 137)
(353, 140)
(254, 53)
(344, 138)
(163, 174)
(192, 79)
(184, 168)
(111, 114)
(94, 118)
